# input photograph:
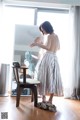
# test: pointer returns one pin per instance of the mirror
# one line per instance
(24, 36)
(23, 53)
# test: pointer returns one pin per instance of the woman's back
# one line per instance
(53, 42)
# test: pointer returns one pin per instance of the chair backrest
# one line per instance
(27, 76)
(16, 69)
(16, 64)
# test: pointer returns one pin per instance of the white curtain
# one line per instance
(6, 36)
(6, 45)
(73, 88)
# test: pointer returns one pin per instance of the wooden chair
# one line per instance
(24, 82)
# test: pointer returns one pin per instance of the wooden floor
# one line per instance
(66, 109)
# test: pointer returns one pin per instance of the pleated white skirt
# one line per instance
(49, 75)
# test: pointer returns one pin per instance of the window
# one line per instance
(60, 21)
(10, 17)
(18, 15)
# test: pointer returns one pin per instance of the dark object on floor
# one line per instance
(25, 91)
(46, 106)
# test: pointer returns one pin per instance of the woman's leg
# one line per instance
(43, 98)
(50, 98)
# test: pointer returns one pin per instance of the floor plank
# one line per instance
(66, 109)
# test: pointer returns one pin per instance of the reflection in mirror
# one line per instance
(23, 53)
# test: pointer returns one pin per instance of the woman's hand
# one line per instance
(34, 44)
(38, 39)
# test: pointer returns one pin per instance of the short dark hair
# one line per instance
(40, 29)
(47, 27)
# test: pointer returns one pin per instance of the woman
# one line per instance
(49, 72)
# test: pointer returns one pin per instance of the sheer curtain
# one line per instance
(1, 19)
(6, 36)
(73, 88)
(6, 48)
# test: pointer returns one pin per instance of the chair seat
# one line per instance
(30, 81)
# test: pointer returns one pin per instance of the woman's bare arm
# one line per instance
(40, 45)
(46, 47)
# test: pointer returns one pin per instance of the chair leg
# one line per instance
(18, 96)
(34, 91)
(32, 96)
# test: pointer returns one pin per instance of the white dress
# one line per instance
(49, 75)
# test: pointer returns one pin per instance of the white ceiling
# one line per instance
(34, 3)
(65, 2)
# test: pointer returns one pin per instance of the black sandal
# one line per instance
(47, 106)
